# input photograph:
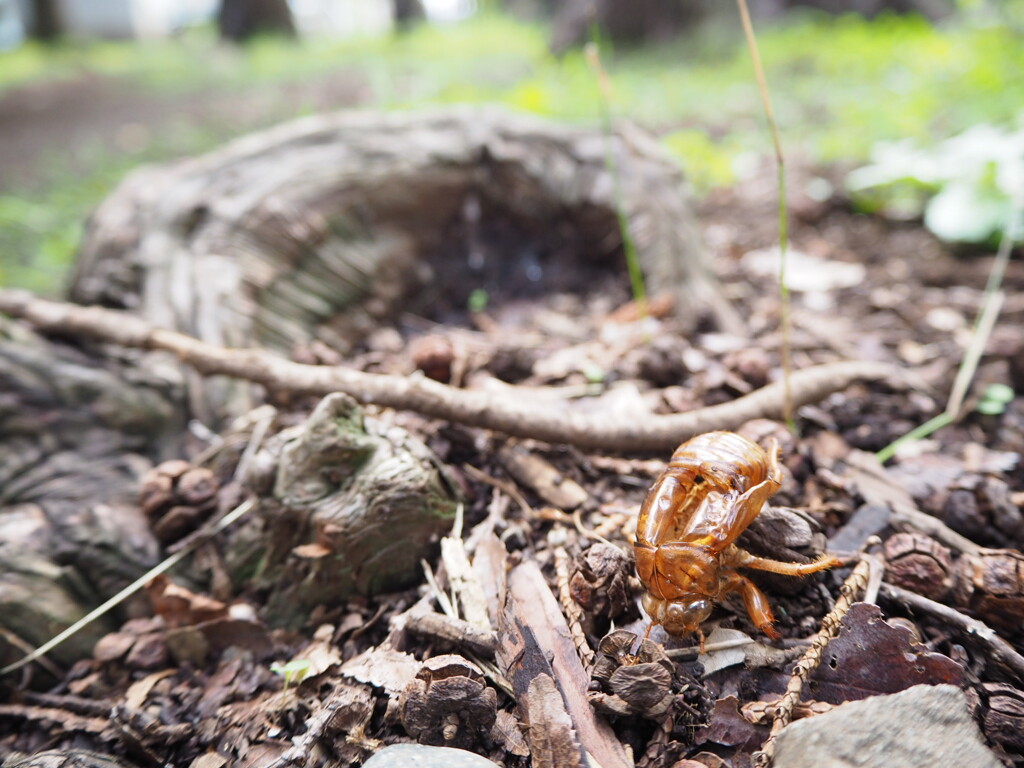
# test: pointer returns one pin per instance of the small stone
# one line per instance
(923, 725)
(422, 756)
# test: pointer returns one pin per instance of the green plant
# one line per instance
(477, 301)
(967, 187)
(994, 399)
(293, 671)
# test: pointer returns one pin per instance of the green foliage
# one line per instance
(710, 163)
(968, 187)
(839, 86)
(293, 672)
(994, 399)
(477, 301)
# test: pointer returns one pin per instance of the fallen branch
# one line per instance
(513, 416)
(457, 632)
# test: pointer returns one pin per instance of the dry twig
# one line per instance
(854, 585)
(513, 416)
(571, 609)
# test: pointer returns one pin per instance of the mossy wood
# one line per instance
(350, 506)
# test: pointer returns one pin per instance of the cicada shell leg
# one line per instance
(737, 557)
(755, 601)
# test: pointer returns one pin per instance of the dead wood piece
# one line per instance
(532, 631)
(35, 596)
(78, 432)
(66, 758)
(542, 477)
(464, 583)
(326, 226)
(552, 739)
(458, 633)
(373, 503)
(518, 417)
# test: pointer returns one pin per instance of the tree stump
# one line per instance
(78, 431)
(327, 227)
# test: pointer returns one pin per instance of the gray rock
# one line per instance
(920, 727)
(421, 756)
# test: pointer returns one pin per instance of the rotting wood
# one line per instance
(513, 416)
(533, 630)
(455, 632)
(352, 507)
(328, 227)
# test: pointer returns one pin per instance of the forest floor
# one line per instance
(864, 288)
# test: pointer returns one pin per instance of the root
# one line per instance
(518, 416)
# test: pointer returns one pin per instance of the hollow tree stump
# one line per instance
(329, 226)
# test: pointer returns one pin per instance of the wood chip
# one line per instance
(542, 477)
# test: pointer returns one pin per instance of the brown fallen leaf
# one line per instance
(871, 657)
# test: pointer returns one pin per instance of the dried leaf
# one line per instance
(871, 657)
(724, 657)
(383, 668)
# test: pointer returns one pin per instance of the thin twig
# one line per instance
(520, 416)
(854, 585)
(780, 164)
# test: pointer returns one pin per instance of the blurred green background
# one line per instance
(77, 113)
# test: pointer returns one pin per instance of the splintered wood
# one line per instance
(538, 656)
